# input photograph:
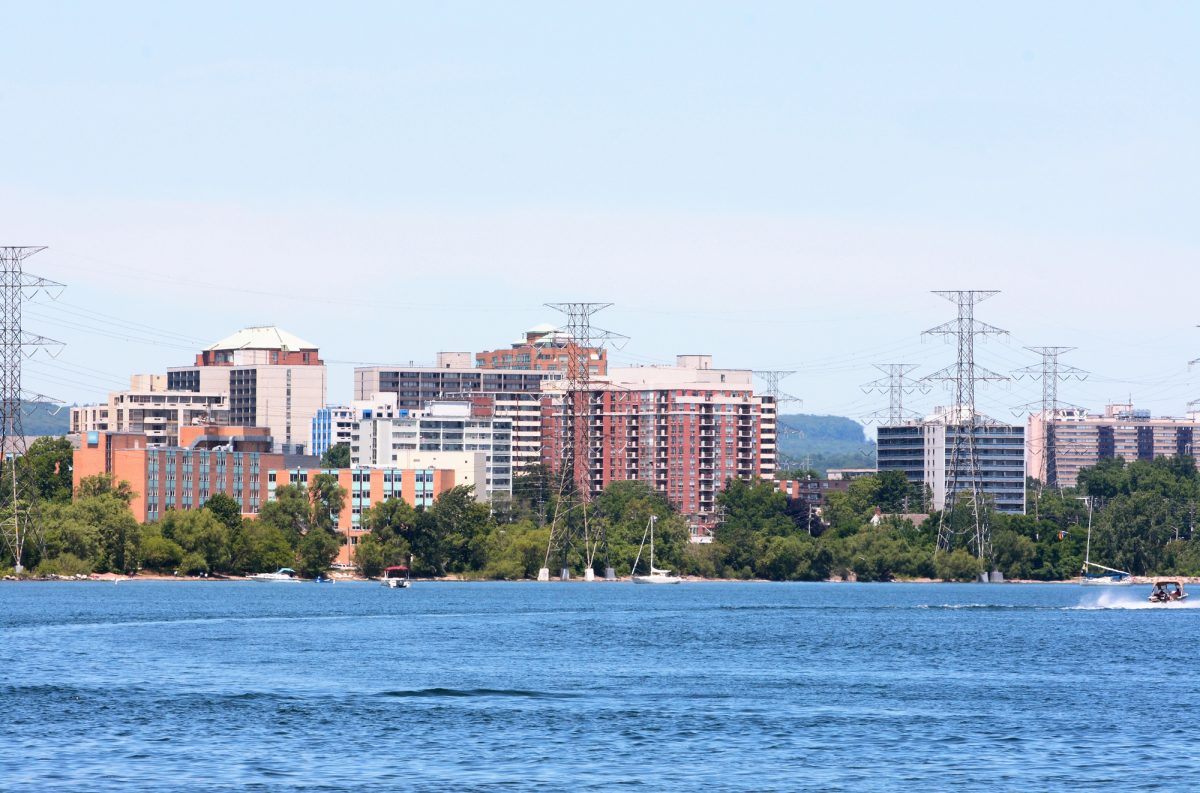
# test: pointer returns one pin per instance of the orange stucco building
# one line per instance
(235, 461)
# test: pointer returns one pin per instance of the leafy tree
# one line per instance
(515, 551)
(623, 510)
(198, 531)
(193, 564)
(369, 556)
(290, 512)
(318, 549)
(534, 495)
(392, 525)
(261, 548)
(455, 534)
(336, 456)
(226, 509)
(328, 498)
(47, 462)
(159, 553)
(101, 484)
(118, 534)
(753, 512)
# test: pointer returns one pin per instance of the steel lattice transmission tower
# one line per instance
(1195, 402)
(1050, 372)
(963, 474)
(895, 384)
(574, 474)
(15, 287)
(771, 379)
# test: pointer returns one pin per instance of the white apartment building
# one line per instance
(448, 428)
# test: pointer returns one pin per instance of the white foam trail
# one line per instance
(1131, 601)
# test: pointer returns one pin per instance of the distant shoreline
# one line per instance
(114, 578)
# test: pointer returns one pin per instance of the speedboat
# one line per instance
(1167, 592)
(283, 574)
(397, 577)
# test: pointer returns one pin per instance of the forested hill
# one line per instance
(826, 441)
(39, 418)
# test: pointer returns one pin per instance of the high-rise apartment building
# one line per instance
(273, 378)
(922, 450)
(684, 429)
(514, 395)
(1080, 439)
(443, 430)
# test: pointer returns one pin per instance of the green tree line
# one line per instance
(1143, 514)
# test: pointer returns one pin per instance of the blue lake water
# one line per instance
(234, 686)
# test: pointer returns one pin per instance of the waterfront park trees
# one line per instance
(1143, 519)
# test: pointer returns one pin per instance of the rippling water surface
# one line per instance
(231, 686)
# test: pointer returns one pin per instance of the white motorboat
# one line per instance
(656, 576)
(282, 575)
(397, 577)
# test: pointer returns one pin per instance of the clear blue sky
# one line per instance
(779, 184)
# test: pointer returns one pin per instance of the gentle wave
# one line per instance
(476, 692)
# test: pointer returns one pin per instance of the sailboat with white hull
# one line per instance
(1111, 576)
(656, 575)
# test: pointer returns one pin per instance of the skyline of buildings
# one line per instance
(482, 418)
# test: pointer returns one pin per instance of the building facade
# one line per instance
(544, 348)
(923, 451)
(513, 395)
(273, 379)
(149, 408)
(684, 429)
(364, 489)
(209, 459)
(237, 462)
(453, 429)
(1080, 440)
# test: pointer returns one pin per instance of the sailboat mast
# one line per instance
(1087, 556)
(652, 519)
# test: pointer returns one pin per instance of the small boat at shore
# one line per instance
(1167, 592)
(282, 575)
(656, 575)
(1111, 576)
(396, 577)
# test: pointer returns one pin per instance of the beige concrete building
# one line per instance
(1080, 440)
(149, 408)
(273, 378)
